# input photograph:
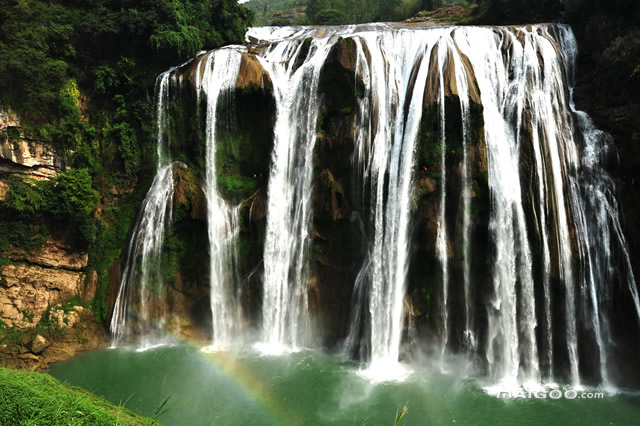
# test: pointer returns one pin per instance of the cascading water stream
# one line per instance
(463, 93)
(219, 76)
(596, 214)
(285, 312)
(554, 242)
(142, 278)
(384, 163)
(511, 347)
(441, 245)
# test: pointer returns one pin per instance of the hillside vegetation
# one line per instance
(38, 399)
(80, 75)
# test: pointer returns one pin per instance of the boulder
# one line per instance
(39, 344)
(252, 74)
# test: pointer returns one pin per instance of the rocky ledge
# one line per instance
(68, 331)
(42, 317)
(22, 155)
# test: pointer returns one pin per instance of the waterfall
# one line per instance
(138, 307)
(500, 248)
(441, 247)
(219, 76)
(597, 215)
(385, 165)
(285, 311)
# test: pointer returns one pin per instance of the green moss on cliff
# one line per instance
(244, 140)
(187, 236)
(340, 86)
(112, 230)
(34, 209)
(429, 144)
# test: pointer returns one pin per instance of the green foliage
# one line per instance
(69, 199)
(71, 195)
(110, 51)
(323, 12)
(277, 12)
(111, 232)
(280, 22)
(330, 17)
(187, 236)
(500, 12)
(81, 75)
(25, 197)
(244, 141)
(37, 398)
(236, 184)
(189, 26)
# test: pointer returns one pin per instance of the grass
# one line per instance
(31, 398)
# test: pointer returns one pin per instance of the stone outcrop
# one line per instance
(41, 279)
(70, 332)
(189, 192)
(22, 155)
(54, 254)
(35, 328)
(252, 74)
(432, 87)
(28, 290)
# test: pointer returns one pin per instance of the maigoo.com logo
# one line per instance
(551, 394)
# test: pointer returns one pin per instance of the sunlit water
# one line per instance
(311, 388)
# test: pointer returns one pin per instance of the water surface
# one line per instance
(311, 388)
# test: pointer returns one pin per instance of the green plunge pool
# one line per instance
(312, 388)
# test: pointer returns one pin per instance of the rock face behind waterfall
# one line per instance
(242, 158)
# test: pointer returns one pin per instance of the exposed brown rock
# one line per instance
(55, 254)
(189, 190)
(329, 198)
(4, 190)
(65, 319)
(432, 87)
(258, 206)
(91, 286)
(8, 119)
(28, 356)
(23, 155)
(32, 289)
(427, 184)
(252, 74)
(39, 344)
(39, 352)
(115, 276)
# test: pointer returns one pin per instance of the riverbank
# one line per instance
(64, 334)
(37, 398)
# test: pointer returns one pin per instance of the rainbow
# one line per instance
(255, 390)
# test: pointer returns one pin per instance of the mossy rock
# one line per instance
(245, 121)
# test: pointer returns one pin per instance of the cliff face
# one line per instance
(34, 284)
(608, 89)
(22, 155)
